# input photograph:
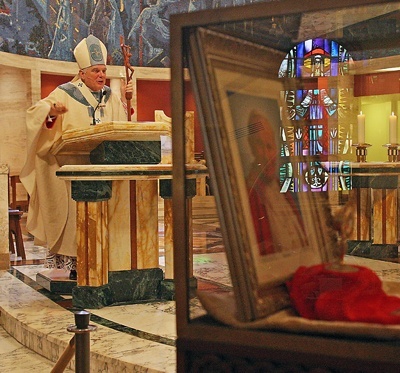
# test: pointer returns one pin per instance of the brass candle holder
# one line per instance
(393, 152)
(361, 151)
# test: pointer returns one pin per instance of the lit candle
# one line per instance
(393, 129)
(361, 128)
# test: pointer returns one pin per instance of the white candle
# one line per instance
(393, 129)
(361, 128)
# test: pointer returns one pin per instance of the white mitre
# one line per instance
(90, 51)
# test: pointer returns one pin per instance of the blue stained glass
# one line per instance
(334, 49)
(315, 134)
(299, 95)
(316, 112)
(300, 50)
(308, 46)
(334, 67)
(326, 46)
(299, 65)
(318, 43)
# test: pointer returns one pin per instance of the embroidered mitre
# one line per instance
(90, 51)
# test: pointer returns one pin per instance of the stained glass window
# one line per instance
(317, 117)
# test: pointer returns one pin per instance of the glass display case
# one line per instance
(298, 106)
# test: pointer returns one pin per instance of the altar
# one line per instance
(374, 200)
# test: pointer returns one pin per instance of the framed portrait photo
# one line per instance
(269, 229)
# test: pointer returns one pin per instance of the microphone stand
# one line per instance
(103, 93)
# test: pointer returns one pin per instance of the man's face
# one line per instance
(94, 77)
(264, 147)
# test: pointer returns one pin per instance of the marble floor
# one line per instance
(129, 338)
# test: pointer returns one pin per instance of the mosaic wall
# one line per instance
(51, 28)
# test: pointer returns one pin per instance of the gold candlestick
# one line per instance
(393, 152)
(361, 151)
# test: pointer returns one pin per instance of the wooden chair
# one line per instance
(15, 233)
(15, 212)
(19, 198)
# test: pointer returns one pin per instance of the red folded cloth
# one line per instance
(342, 293)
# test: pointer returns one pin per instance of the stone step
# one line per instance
(14, 357)
(40, 325)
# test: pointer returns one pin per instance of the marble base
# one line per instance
(127, 152)
(367, 249)
(167, 289)
(56, 281)
(123, 287)
(91, 191)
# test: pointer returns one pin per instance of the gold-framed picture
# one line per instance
(268, 230)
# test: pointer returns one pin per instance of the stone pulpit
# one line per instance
(117, 172)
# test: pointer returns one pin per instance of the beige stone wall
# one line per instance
(14, 100)
(4, 254)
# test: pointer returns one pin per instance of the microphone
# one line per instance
(102, 94)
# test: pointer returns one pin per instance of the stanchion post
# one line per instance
(82, 331)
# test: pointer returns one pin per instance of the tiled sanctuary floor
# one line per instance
(129, 338)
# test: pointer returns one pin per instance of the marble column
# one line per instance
(385, 216)
(166, 194)
(92, 231)
(4, 228)
(168, 240)
(120, 226)
(92, 243)
(189, 129)
(147, 224)
(362, 214)
(166, 158)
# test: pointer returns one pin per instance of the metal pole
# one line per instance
(82, 331)
(65, 358)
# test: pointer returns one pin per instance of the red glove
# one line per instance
(342, 293)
